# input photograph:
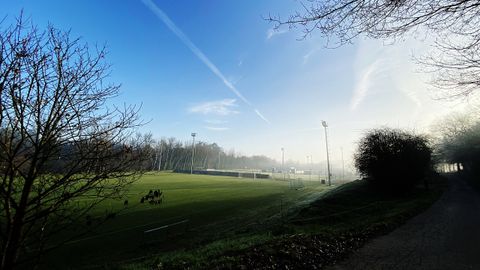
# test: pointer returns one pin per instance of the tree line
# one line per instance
(173, 154)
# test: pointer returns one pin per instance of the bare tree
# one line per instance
(457, 137)
(453, 24)
(454, 124)
(59, 141)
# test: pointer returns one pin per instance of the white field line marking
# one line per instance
(109, 233)
(166, 226)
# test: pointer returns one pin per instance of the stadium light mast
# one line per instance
(309, 163)
(343, 166)
(306, 167)
(311, 167)
(193, 151)
(283, 163)
(324, 124)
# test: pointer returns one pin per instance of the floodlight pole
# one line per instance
(283, 163)
(306, 168)
(343, 166)
(193, 151)
(311, 167)
(324, 124)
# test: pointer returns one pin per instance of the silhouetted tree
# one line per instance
(453, 24)
(53, 96)
(393, 160)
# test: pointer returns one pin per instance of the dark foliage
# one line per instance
(393, 160)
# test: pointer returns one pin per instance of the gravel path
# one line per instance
(447, 236)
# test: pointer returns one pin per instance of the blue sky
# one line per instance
(215, 67)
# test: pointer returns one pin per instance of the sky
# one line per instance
(218, 68)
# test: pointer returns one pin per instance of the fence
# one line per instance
(253, 175)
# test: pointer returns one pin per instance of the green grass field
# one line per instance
(312, 236)
(209, 207)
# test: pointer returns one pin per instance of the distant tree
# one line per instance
(458, 141)
(393, 160)
(451, 133)
(454, 124)
(53, 110)
(453, 24)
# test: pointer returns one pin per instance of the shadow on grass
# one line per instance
(123, 237)
(320, 234)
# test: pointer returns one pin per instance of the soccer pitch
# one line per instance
(195, 209)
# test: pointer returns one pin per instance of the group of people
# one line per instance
(153, 197)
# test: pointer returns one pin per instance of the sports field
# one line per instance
(195, 209)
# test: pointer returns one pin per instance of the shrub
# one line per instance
(393, 160)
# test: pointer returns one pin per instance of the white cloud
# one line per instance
(364, 83)
(405, 99)
(309, 54)
(200, 55)
(393, 68)
(215, 121)
(195, 50)
(220, 107)
(407, 81)
(272, 32)
(216, 128)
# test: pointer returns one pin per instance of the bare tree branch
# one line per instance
(454, 24)
(59, 141)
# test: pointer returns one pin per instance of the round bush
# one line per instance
(392, 159)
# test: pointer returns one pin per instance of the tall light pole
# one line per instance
(306, 166)
(193, 151)
(343, 166)
(324, 124)
(311, 167)
(283, 163)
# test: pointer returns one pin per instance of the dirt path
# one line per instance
(447, 236)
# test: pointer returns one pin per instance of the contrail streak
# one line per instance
(179, 33)
(364, 83)
(261, 116)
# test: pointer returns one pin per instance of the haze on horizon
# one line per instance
(219, 69)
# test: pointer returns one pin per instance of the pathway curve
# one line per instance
(446, 236)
